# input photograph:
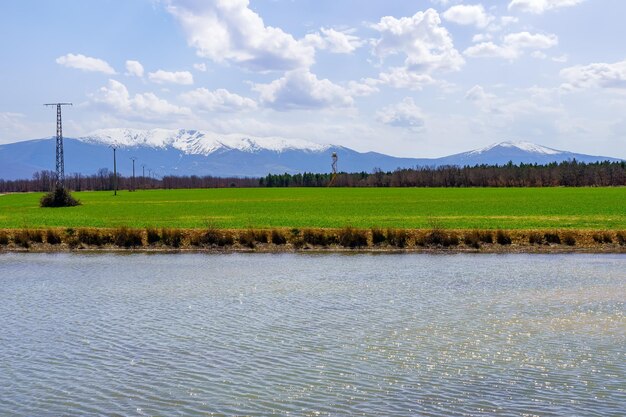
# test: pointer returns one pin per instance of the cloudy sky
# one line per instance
(409, 78)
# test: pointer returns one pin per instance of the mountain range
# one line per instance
(192, 152)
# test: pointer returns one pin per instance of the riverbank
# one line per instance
(344, 240)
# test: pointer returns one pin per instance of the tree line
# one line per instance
(564, 174)
(104, 180)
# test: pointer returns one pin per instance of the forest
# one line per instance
(564, 174)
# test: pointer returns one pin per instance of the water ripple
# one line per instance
(261, 335)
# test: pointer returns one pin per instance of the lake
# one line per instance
(312, 335)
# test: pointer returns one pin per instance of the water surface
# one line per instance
(261, 335)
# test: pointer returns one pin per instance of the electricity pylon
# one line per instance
(60, 166)
(334, 167)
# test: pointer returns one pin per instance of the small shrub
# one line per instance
(125, 237)
(352, 238)
(25, 237)
(247, 239)
(569, 239)
(603, 237)
(485, 236)
(52, 237)
(171, 237)
(295, 232)
(472, 239)
(226, 239)
(503, 238)
(621, 238)
(535, 238)
(35, 236)
(92, 237)
(59, 197)
(318, 237)
(4, 238)
(437, 237)
(261, 236)
(213, 237)
(453, 240)
(552, 237)
(152, 236)
(397, 238)
(378, 237)
(21, 238)
(278, 238)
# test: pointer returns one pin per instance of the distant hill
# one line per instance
(192, 152)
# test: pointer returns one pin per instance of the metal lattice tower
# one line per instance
(60, 165)
(334, 167)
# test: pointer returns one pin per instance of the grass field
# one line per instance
(480, 208)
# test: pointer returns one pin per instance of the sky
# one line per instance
(407, 78)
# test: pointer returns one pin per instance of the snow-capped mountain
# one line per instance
(521, 146)
(195, 142)
(192, 152)
(517, 152)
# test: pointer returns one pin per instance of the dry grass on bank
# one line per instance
(277, 240)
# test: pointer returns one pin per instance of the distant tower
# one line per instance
(60, 166)
(334, 168)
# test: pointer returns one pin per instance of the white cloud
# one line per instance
(501, 23)
(219, 100)
(134, 68)
(364, 88)
(541, 6)
(229, 31)
(300, 89)
(427, 45)
(466, 14)
(524, 103)
(85, 63)
(178, 77)
(603, 75)
(333, 41)
(200, 67)
(147, 106)
(512, 46)
(491, 50)
(405, 114)
(399, 77)
(508, 20)
(528, 40)
(477, 94)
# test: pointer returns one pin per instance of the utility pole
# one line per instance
(114, 171)
(143, 176)
(60, 163)
(133, 184)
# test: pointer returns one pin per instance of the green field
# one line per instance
(484, 208)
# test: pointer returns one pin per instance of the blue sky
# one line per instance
(408, 78)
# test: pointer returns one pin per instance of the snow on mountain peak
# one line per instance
(523, 146)
(198, 142)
